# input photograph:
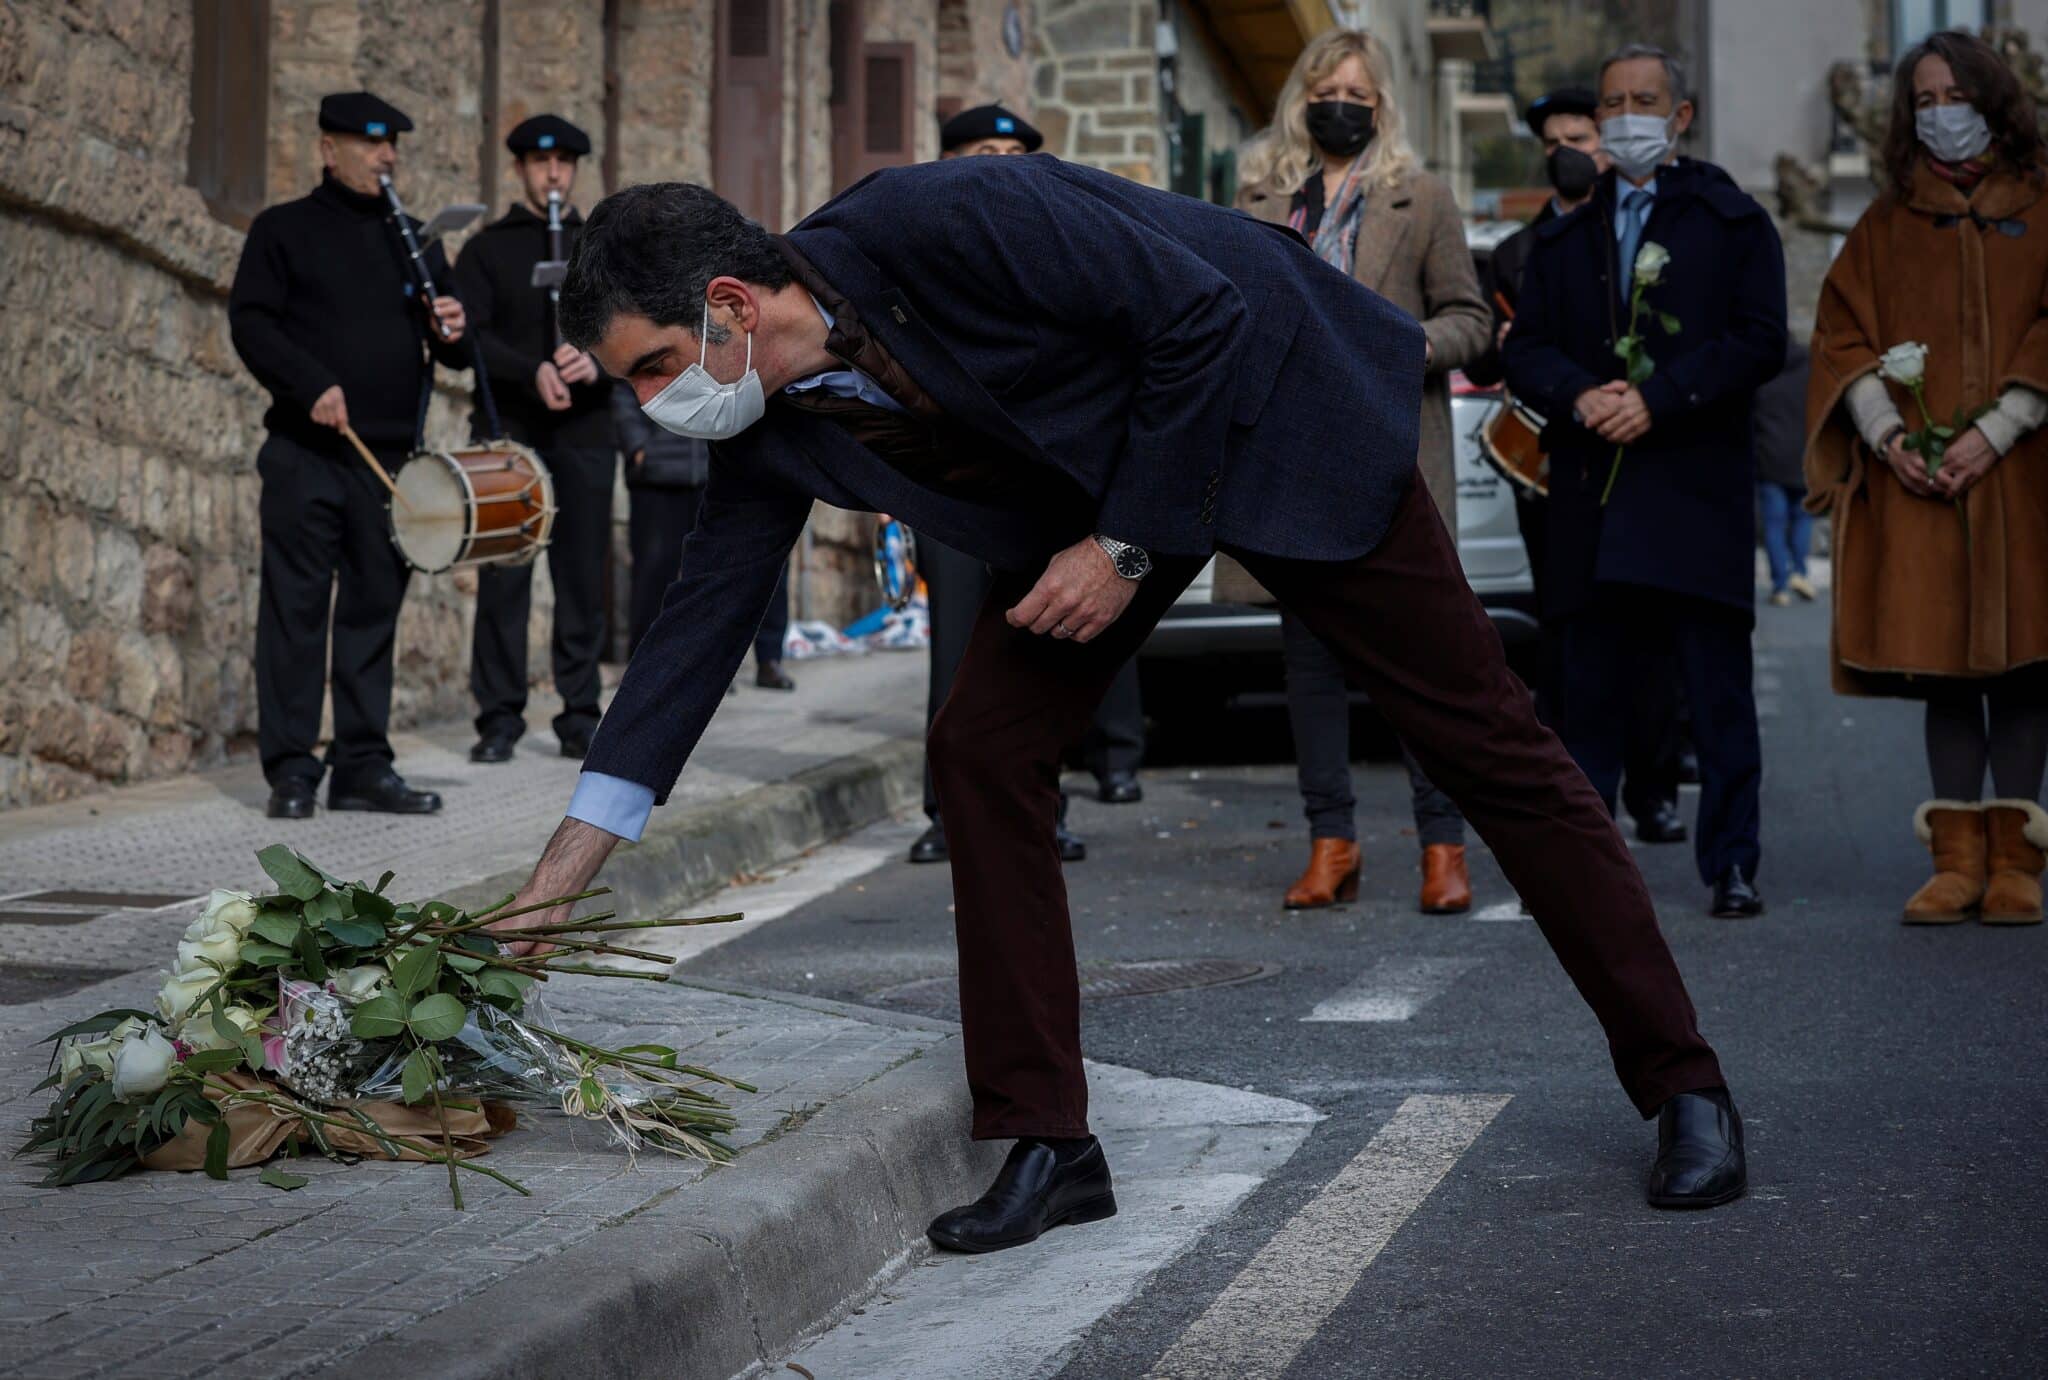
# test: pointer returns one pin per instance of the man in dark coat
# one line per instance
(551, 397)
(1668, 562)
(328, 317)
(1565, 123)
(1079, 380)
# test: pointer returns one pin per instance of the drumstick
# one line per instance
(371, 461)
(1507, 308)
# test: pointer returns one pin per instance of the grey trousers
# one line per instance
(1319, 711)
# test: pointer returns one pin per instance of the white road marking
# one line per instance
(1394, 990)
(1263, 1318)
(1502, 910)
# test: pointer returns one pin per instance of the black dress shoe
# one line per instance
(1699, 1152)
(387, 794)
(1736, 897)
(575, 741)
(493, 747)
(930, 846)
(1071, 847)
(1120, 788)
(769, 675)
(292, 799)
(1661, 825)
(1038, 1188)
(1688, 768)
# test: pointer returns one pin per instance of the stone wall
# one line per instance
(1096, 86)
(128, 427)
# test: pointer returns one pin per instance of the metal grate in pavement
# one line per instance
(1132, 979)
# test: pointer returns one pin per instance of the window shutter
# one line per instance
(888, 112)
(746, 120)
(227, 157)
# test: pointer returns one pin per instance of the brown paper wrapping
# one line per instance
(257, 1131)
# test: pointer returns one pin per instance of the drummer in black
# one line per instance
(553, 398)
(326, 316)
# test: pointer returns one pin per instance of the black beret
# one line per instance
(987, 122)
(1569, 100)
(542, 132)
(358, 112)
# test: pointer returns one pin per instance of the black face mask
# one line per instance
(1572, 172)
(1342, 128)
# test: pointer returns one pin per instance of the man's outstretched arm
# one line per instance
(567, 866)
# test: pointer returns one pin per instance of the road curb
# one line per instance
(689, 854)
(728, 1273)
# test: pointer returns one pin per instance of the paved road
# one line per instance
(1470, 1204)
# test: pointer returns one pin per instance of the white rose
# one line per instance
(180, 990)
(200, 1034)
(1650, 262)
(80, 1055)
(143, 1064)
(1904, 363)
(359, 984)
(235, 910)
(211, 956)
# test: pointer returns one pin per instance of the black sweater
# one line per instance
(510, 317)
(322, 297)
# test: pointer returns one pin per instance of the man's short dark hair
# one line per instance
(653, 250)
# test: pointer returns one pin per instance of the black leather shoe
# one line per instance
(1071, 847)
(1038, 1189)
(575, 741)
(292, 799)
(1699, 1152)
(930, 846)
(387, 794)
(769, 675)
(1661, 825)
(492, 747)
(1119, 788)
(1688, 768)
(1736, 897)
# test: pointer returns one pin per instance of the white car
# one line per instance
(1204, 655)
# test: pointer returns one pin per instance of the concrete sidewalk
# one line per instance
(665, 1267)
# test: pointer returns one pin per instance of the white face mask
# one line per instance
(697, 405)
(1952, 133)
(1637, 143)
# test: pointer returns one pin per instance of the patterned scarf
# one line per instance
(1336, 239)
(1964, 175)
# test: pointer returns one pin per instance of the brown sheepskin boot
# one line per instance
(1953, 831)
(2017, 834)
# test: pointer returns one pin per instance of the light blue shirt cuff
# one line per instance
(613, 804)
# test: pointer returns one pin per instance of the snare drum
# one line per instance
(1512, 441)
(486, 504)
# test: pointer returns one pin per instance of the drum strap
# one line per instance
(483, 391)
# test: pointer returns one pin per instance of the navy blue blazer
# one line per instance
(1682, 517)
(1203, 378)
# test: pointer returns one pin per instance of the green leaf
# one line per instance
(436, 1016)
(323, 908)
(372, 906)
(100, 1024)
(1640, 368)
(263, 953)
(439, 913)
(357, 934)
(1946, 433)
(277, 1178)
(213, 1060)
(384, 881)
(217, 1143)
(278, 927)
(379, 1018)
(1936, 449)
(505, 984)
(662, 1054)
(1668, 322)
(310, 957)
(416, 1080)
(417, 969)
(1910, 441)
(477, 944)
(463, 963)
(293, 875)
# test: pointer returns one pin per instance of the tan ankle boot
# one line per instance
(1446, 884)
(1953, 831)
(2016, 832)
(1332, 876)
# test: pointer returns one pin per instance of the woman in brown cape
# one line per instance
(1941, 580)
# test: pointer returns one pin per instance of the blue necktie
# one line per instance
(1635, 209)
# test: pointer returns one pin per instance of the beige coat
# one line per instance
(1411, 250)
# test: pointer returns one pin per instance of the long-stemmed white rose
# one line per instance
(1637, 366)
(143, 1064)
(1906, 364)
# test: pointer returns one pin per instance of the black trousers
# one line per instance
(1655, 736)
(657, 521)
(327, 560)
(1625, 641)
(504, 598)
(958, 585)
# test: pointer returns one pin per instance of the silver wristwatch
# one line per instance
(1130, 561)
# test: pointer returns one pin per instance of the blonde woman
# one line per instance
(1334, 165)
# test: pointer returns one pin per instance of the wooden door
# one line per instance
(746, 118)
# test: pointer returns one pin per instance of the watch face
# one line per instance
(1131, 563)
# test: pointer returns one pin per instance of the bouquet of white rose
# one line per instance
(335, 1011)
